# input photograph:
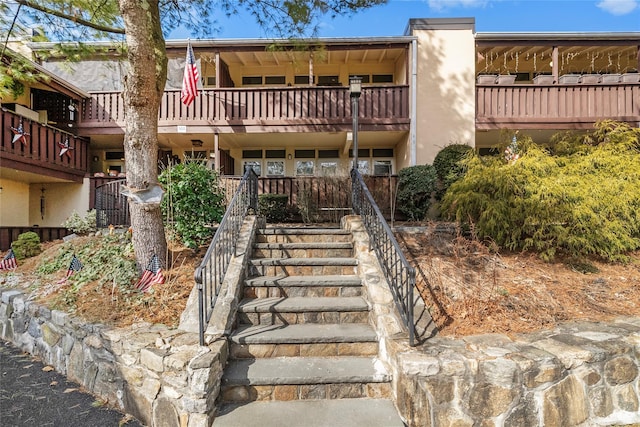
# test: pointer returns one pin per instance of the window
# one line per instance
(362, 152)
(382, 78)
(523, 77)
(328, 168)
(251, 154)
(305, 154)
(328, 154)
(275, 154)
(304, 167)
(363, 166)
(251, 80)
(328, 81)
(256, 166)
(211, 80)
(275, 168)
(302, 80)
(274, 80)
(382, 167)
(383, 152)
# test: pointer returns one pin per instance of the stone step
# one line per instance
(293, 378)
(301, 235)
(303, 250)
(311, 413)
(296, 310)
(301, 266)
(306, 340)
(303, 286)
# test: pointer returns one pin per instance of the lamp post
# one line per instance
(355, 88)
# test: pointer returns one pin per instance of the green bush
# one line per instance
(583, 201)
(26, 245)
(80, 225)
(193, 202)
(416, 185)
(449, 167)
(274, 207)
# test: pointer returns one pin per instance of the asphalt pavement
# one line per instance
(32, 394)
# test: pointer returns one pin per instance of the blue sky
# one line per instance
(490, 15)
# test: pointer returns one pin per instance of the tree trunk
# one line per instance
(143, 90)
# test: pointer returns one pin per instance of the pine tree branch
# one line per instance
(75, 19)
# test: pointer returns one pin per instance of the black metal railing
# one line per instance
(400, 275)
(112, 208)
(210, 273)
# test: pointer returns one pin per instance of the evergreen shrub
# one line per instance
(26, 245)
(582, 198)
(449, 167)
(416, 185)
(193, 202)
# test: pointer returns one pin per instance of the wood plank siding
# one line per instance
(41, 153)
(287, 106)
(527, 106)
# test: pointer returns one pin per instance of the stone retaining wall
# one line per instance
(159, 375)
(580, 374)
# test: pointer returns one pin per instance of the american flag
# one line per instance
(190, 79)
(9, 261)
(152, 274)
(75, 265)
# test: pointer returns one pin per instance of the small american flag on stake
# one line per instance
(9, 261)
(152, 274)
(190, 78)
(75, 265)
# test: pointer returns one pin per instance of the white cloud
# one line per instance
(618, 7)
(440, 5)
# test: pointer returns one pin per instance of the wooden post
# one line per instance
(555, 67)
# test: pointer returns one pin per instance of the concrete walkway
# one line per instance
(31, 395)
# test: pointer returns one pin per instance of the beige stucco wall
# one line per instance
(445, 110)
(14, 203)
(60, 199)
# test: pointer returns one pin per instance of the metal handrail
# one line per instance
(397, 270)
(210, 273)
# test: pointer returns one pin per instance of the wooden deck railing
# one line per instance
(388, 104)
(326, 198)
(527, 106)
(46, 234)
(39, 151)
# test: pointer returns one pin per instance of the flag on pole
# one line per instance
(190, 79)
(152, 274)
(75, 265)
(9, 261)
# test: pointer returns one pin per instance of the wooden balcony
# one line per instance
(40, 152)
(323, 108)
(555, 106)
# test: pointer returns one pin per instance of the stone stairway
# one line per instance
(304, 353)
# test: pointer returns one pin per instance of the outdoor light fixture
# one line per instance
(196, 142)
(355, 88)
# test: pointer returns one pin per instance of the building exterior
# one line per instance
(284, 108)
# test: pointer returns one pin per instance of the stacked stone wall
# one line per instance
(159, 375)
(580, 374)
